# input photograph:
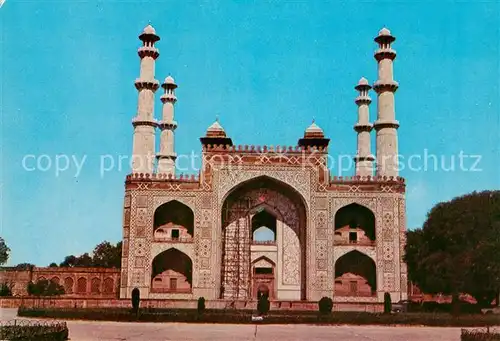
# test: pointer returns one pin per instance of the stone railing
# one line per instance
(366, 179)
(167, 239)
(162, 176)
(354, 242)
(263, 242)
(171, 291)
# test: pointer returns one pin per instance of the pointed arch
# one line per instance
(171, 271)
(261, 180)
(355, 223)
(68, 285)
(265, 259)
(288, 206)
(173, 219)
(108, 285)
(355, 269)
(264, 223)
(81, 285)
(95, 286)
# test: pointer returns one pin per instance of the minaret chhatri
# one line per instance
(386, 125)
(364, 158)
(143, 150)
(166, 156)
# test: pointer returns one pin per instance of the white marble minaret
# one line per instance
(364, 158)
(386, 125)
(143, 150)
(166, 156)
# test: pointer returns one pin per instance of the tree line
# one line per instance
(104, 255)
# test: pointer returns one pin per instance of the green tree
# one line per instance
(24, 266)
(107, 255)
(457, 249)
(69, 261)
(84, 260)
(4, 252)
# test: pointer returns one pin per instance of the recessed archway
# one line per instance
(355, 224)
(172, 272)
(173, 220)
(355, 275)
(263, 201)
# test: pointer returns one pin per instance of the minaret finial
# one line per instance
(216, 118)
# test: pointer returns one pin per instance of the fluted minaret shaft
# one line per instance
(166, 156)
(143, 150)
(386, 125)
(364, 158)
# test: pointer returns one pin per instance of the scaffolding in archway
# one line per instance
(236, 251)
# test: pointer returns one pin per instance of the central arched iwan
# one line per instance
(263, 201)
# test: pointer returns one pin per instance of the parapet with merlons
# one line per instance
(162, 181)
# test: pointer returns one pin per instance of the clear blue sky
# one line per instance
(266, 67)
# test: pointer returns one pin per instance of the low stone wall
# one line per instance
(176, 304)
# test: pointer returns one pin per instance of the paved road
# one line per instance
(118, 331)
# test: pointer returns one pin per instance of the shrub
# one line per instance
(273, 317)
(325, 305)
(263, 305)
(201, 305)
(45, 288)
(5, 290)
(475, 335)
(136, 298)
(387, 303)
(33, 330)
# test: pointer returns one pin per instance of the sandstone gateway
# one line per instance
(189, 237)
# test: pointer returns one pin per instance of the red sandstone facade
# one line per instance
(77, 282)
(186, 237)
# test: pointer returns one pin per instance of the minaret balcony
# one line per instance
(360, 127)
(148, 51)
(386, 53)
(379, 124)
(363, 100)
(137, 121)
(168, 98)
(385, 85)
(170, 125)
(359, 158)
(150, 84)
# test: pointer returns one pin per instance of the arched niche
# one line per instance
(173, 220)
(355, 275)
(172, 272)
(355, 224)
